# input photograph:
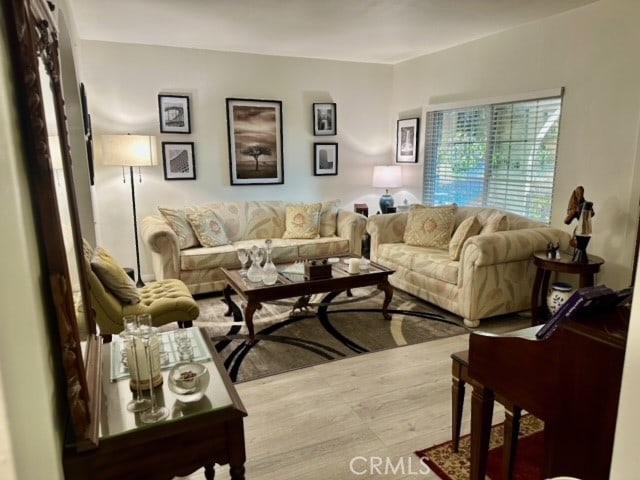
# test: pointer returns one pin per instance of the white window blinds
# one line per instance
(501, 155)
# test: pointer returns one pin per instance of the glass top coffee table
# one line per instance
(296, 285)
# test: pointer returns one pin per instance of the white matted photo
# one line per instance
(407, 141)
(174, 113)
(324, 119)
(325, 159)
(178, 161)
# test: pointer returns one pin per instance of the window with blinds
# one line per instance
(501, 155)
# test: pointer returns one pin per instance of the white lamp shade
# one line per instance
(126, 150)
(387, 176)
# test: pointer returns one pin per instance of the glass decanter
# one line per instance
(269, 270)
(254, 274)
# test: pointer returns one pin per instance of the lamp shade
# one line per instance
(387, 176)
(127, 150)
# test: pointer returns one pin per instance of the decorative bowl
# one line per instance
(188, 381)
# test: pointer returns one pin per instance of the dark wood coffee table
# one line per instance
(294, 285)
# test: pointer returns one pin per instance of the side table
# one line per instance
(564, 264)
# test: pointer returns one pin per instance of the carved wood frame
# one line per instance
(32, 36)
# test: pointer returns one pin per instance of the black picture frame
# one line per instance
(325, 119)
(255, 141)
(88, 134)
(407, 140)
(174, 113)
(325, 158)
(178, 160)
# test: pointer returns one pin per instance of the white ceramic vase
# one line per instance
(558, 294)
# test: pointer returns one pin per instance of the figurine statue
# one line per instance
(576, 202)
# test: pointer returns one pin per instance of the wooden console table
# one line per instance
(195, 435)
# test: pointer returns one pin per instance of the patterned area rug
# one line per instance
(449, 465)
(288, 341)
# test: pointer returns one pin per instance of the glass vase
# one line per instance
(269, 270)
(254, 274)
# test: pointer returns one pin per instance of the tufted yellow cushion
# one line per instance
(468, 228)
(329, 218)
(208, 228)
(496, 222)
(113, 276)
(430, 226)
(302, 220)
(177, 220)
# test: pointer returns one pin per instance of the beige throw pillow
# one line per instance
(113, 276)
(468, 228)
(430, 226)
(208, 228)
(496, 222)
(302, 220)
(177, 220)
(329, 218)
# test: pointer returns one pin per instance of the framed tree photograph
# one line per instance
(325, 159)
(407, 141)
(178, 161)
(255, 141)
(324, 119)
(174, 113)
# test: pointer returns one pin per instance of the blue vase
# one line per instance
(386, 202)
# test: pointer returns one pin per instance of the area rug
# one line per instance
(449, 465)
(287, 341)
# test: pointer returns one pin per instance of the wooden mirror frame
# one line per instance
(33, 37)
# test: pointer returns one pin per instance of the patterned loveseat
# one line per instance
(177, 252)
(493, 275)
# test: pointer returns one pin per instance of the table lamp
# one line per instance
(387, 176)
(128, 151)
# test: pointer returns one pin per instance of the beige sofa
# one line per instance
(245, 224)
(493, 276)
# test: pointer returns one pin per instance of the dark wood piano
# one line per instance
(571, 381)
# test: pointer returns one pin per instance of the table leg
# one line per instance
(512, 415)
(209, 472)
(227, 297)
(481, 413)
(586, 280)
(248, 320)
(388, 295)
(236, 472)
(457, 403)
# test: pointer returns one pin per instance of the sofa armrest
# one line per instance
(163, 244)
(511, 245)
(387, 228)
(352, 225)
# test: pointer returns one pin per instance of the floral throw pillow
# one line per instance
(468, 228)
(113, 276)
(496, 222)
(208, 228)
(177, 220)
(302, 220)
(430, 226)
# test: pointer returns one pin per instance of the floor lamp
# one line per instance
(129, 151)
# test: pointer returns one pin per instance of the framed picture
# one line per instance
(88, 135)
(178, 161)
(325, 160)
(407, 141)
(324, 119)
(255, 141)
(174, 113)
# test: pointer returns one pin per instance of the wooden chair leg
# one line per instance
(512, 414)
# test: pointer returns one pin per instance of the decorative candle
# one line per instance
(136, 345)
(354, 265)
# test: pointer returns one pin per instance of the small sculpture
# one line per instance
(582, 210)
(576, 202)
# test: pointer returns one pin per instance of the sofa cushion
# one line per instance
(496, 222)
(251, 219)
(208, 228)
(428, 261)
(302, 220)
(177, 220)
(430, 226)
(329, 218)
(468, 228)
(113, 276)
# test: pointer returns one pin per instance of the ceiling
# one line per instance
(377, 31)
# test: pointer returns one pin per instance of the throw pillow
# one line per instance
(329, 218)
(496, 222)
(177, 220)
(302, 220)
(113, 276)
(208, 228)
(430, 226)
(468, 228)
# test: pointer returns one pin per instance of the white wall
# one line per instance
(592, 52)
(123, 82)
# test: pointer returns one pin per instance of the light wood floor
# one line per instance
(310, 423)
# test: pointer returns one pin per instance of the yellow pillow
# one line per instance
(302, 220)
(177, 220)
(468, 228)
(430, 226)
(329, 218)
(496, 222)
(208, 228)
(113, 276)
